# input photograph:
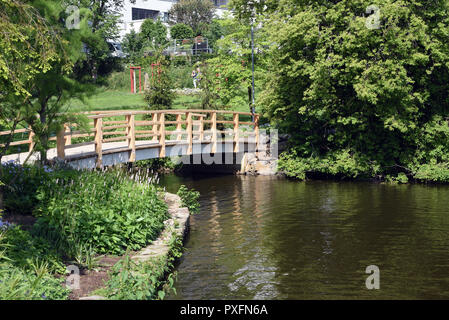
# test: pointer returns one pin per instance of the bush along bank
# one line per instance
(79, 217)
(345, 165)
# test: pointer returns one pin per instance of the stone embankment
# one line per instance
(265, 161)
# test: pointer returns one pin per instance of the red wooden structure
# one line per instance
(132, 72)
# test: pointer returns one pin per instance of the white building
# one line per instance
(133, 15)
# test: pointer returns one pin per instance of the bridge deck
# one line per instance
(117, 140)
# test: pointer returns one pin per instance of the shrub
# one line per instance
(181, 76)
(106, 211)
(181, 31)
(340, 163)
(160, 95)
(189, 199)
(26, 267)
(21, 184)
(118, 81)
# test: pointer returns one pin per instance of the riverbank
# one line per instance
(88, 221)
(159, 256)
(345, 166)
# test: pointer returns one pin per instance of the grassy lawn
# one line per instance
(125, 100)
(108, 100)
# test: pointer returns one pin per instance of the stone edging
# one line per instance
(178, 222)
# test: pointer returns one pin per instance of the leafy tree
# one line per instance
(181, 31)
(244, 10)
(26, 50)
(376, 95)
(104, 18)
(132, 45)
(154, 33)
(231, 68)
(29, 47)
(197, 14)
(160, 95)
(214, 32)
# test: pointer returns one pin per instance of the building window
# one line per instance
(219, 3)
(142, 14)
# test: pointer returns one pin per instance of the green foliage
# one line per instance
(31, 46)
(132, 45)
(231, 69)
(160, 95)
(189, 199)
(26, 267)
(20, 195)
(106, 211)
(154, 34)
(181, 31)
(400, 178)
(158, 164)
(340, 163)
(100, 23)
(379, 95)
(181, 76)
(23, 250)
(118, 81)
(133, 281)
(17, 284)
(209, 96)
(26, 48)
(214, 32)
(244, 10)
(438, 172)
(197, 14)
(130, 280)
(54, 85)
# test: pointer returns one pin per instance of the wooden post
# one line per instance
(201, 129)
(236, 133)
(60, 144)
(30, 138)
(68, 138)
(256, 131)
(98, 123)
(131, 137)
(214, 132)
(162, 134)
(179, 127)
(155, 127)
(189, 133)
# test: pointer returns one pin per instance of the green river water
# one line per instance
(271, 238)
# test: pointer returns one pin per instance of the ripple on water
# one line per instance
(263, 238)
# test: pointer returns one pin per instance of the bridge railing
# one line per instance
(129, 127)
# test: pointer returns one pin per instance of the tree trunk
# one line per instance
(43, 138)
(1, 201)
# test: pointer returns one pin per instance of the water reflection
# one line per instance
(266, 238)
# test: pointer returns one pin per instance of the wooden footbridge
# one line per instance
(127, 136)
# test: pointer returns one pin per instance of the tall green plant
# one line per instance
(160, 95)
